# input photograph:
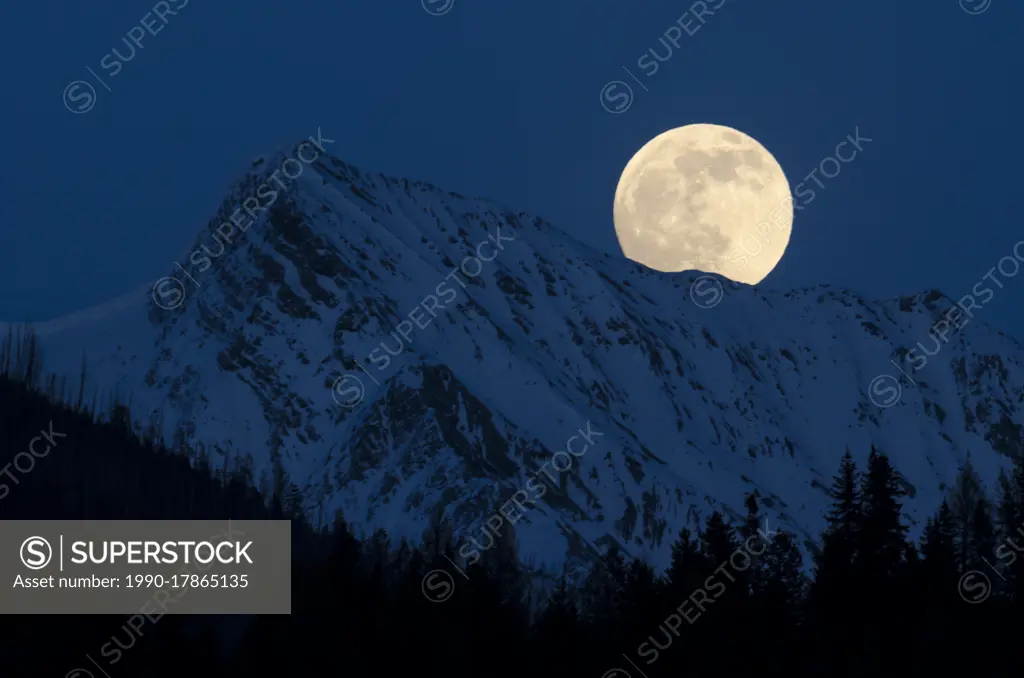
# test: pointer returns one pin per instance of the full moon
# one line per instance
(707, 198)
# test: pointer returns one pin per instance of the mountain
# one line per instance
(399, 352)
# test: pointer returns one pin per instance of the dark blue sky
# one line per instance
(501, 100)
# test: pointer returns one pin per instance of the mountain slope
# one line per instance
(402, 351)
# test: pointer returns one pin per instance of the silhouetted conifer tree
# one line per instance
(688, 567)
(882, 543)
(1010, 552)
(967, 493)
(838, 580)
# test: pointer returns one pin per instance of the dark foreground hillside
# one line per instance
(734, 603)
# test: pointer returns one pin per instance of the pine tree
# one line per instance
(935, 586)
(687, 568)
(346, 552)
(81, 387)
(845, 519)
(1010, 507)
(967, 492)
(778, 604)
(834, 563)
(883, 539)
(786, 585)
(641, 608)
(750, 533)
(724, 586)
(838, 582)
(938, 543)
(983, 535)
(1010, 552)
(718, 540)
(604, 588)
(885, 557)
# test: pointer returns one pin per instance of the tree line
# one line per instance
(736, 600)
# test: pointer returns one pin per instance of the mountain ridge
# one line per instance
(699, 405)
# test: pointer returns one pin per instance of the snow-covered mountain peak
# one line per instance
(399, 351)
